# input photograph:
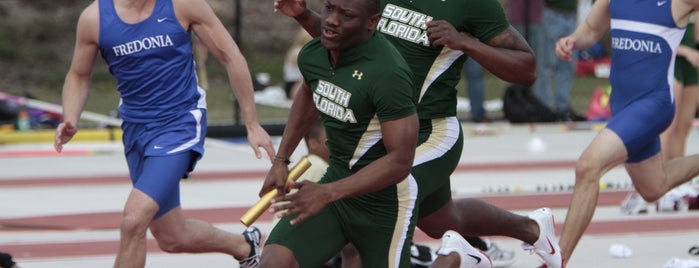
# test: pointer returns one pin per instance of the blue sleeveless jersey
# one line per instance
(152, 62)
(644, 44)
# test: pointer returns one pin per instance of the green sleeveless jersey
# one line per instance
(370, 83)
(437, 70)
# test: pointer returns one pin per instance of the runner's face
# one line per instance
(344, 23)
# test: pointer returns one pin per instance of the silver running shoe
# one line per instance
(547, 245)
(254, 237)
(500, 257)
(634, 204)
(421, 256)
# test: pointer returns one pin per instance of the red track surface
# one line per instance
(110, 220)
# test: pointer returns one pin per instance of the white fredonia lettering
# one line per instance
(636, 45)
(333, 101)
(404, 24)
(143, 44)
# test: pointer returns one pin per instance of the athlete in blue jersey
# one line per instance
(644, 39)
(148, 47)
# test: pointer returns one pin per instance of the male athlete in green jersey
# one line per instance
(363, 91)
(435, 37)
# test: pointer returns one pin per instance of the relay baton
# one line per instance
(265, 201)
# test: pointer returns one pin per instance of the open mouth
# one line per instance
(329, 34)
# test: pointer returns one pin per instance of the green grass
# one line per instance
(104, 98)
(39, 64)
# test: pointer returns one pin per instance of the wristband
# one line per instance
(282, 159)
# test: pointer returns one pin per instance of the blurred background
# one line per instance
(36, 45)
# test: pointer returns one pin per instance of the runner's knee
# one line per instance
(133, 225)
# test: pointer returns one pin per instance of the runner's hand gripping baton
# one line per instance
(265, 201)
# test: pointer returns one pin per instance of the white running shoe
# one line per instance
(634, 204)
(500, 257)
(547, 245)
(680, 263)
(675, 200)
(470, 256)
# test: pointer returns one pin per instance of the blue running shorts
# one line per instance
(160, 153)
(640, 123)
